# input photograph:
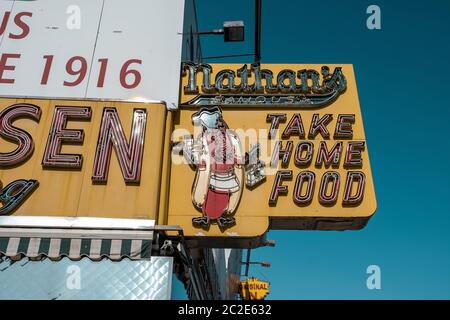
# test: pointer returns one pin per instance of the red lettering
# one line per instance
(102, 73)
(124, 72)
(48, 65)
(22, 25)
(81, 72)
(4, 22)
(5, 67)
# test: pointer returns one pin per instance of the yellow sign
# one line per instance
(251, 148)
(81, 158)
(271, 147)
(253, 289)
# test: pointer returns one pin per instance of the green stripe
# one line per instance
(126, 248)
(105, 248)
(44, 245)
(23, 245)
(4, 244)
(65, 247)
(146, 249)
(85, 247)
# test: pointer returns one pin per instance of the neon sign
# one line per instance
(111, 136)
(301, 88)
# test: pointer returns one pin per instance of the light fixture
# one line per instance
(233, 31)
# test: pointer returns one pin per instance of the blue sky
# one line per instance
(403, 79)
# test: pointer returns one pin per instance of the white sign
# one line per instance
(107, 49)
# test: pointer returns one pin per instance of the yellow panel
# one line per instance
(71, 192)
(254, 214)
(165, 176)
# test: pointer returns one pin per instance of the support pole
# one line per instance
(247, 262)
(258, 31)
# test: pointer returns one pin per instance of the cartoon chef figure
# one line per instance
(217, 157)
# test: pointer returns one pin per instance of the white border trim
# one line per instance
(75, 234)
(137, 100)
(76, 222)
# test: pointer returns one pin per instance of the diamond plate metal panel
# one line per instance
(86, 279)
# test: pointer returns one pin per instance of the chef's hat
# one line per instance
(207, 117)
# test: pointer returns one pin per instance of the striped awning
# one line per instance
(75, 238)
(75, 249)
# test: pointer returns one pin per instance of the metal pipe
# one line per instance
(214, 31)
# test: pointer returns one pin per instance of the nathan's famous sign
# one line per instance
(81, 158)
(276, 146)
(257, 86)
